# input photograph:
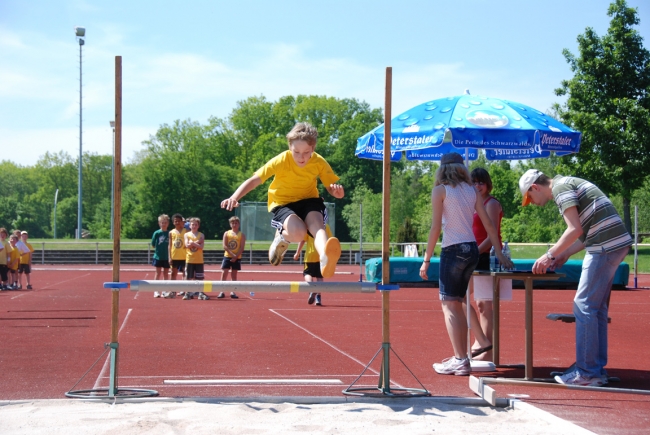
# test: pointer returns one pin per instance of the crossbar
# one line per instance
(253, 286)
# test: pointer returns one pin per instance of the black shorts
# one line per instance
(3, 272)
(160, 263)
(229, 263)
(195, 271)
(178, 265)
(24, 268)
(300, 208)
(483, 261)
(313, 270)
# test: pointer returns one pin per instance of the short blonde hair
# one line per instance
(452, 174)
(303, 131)
(163, 217)
(195, 219)
(233, 219)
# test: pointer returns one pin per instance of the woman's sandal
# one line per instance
(480, 351)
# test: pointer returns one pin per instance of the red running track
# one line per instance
(274, 344)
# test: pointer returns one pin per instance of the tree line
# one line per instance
(188, 167)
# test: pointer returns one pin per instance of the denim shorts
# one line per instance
(457, 262)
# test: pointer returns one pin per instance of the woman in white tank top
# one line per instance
(454, 201)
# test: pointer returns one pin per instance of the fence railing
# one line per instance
(139, 252)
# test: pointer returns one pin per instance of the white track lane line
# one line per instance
(251, 381)
(51, 285)
(107, 363)
(330, 345)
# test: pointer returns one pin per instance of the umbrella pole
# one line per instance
(384, 375)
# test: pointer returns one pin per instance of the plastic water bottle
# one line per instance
(252, 294)
(506, 253)
(494, 261)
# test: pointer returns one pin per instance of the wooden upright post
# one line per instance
(385, 235)
(117, 225)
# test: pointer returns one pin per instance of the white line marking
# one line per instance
(251, 381)
(61, 282)
(330, 345)
(107, 363)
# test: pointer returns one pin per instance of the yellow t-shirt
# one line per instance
(194, 255)
(311, 254)
(177, 240)
(293, 183)
(15, 258)
(6, 251)
(26, 257)
(233, 241)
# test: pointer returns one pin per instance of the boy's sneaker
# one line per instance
(203, 297)
(575, 378)
(181, 293)
(156, 294)
(453, 366)
(277, 249)
(221, 295)
(331, 257)
(318, 300)
(29, 287)
(312, 298)
(187, 296)
(169, 295)
(233, 295)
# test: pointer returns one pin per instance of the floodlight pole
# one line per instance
(56, 197)
(80, 32)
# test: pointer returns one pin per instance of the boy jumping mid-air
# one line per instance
(294, 201)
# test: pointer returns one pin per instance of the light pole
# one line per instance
(56, 196)
(113, 180)
(80, 32)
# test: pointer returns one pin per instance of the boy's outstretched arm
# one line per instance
(241, 191)
(336, 190)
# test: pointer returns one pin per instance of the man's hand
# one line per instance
(559, 261)
(542, 264)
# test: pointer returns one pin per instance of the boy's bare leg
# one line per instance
(165, 274)
(316, 227)
(20, 279)
(224, 274)
(294, 229)
(28, 278)
(329, 249)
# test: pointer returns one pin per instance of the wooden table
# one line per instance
(527, 277)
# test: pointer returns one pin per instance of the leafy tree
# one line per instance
(364, 202)
(609, 102)
(406, 232)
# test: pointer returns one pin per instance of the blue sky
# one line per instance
(196, 59)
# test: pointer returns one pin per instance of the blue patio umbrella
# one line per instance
(504, 129)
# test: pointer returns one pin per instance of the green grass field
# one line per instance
(518, 251)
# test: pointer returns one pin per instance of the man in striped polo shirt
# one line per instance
(593, 224)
